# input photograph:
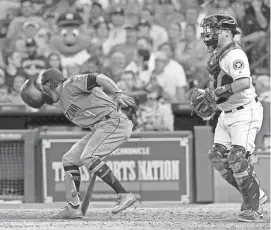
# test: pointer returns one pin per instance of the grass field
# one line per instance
(145, 216)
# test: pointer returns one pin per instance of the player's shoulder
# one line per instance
(236, 54)
(73, 81)
(236, 59)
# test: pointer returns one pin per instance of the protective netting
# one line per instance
(11, 169)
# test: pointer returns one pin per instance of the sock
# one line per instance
(105, 173)
(74, 171)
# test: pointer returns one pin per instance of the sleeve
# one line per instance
(83, 83)
(238, 66)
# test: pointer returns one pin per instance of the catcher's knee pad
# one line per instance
(218, 156)
(99, 167)
(245, 177)
(72, 195)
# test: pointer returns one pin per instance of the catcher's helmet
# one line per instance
(214, 24)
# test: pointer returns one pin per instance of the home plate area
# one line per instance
(144, 216)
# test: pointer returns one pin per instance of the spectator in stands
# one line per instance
(19, 46)
(93, 64)
(54, 61)
(117, 65)
(143, 28)
(262, 87)
(38, 7)
(4, 23)
(154, 114)
(18, 82)
(253, 18)
(143, 70)
(95, 48)
(117, 34)
(96, 13)
(102, 34)
(83, 8)
(191, 52)
(224, 7)
(145, 47)
(27, 14)
(175, 33)
(4, 97)
(166, 48)
(129, 48)
(157, 33)
(191, 17)
(50, 21)
(171, 77)
(30, 29)
(42, 39)
(33, 64)
(127, 81)
(31, 48)
(132, 16)
(13, 65)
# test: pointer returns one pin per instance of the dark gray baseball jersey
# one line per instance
(83, 100)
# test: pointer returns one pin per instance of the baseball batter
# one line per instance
(241, 116)
(86, 105)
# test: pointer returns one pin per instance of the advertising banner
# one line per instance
(154, 168)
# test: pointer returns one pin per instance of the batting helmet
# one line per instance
(213, 26)
(33, 95)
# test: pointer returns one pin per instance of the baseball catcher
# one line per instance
(85, 104)
(231, 90)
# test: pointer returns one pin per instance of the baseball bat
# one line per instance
(88, 194)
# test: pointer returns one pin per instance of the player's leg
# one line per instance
(71, 163)
(107, 137)
(218, 153)
(244, 129)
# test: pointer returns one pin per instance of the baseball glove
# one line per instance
(203, 103)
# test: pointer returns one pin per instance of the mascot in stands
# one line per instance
(71, 41)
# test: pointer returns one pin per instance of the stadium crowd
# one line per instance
(150, 48)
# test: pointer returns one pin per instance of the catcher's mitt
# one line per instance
(203, 103)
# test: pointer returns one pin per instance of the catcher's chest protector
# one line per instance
(214, 69)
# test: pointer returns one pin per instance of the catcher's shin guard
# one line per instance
(72, 195)
(243, 173)
(218, 156)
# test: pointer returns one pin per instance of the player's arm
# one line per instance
(122, 100)
(238, 69)
(107, 84)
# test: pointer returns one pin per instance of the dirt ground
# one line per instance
(145, 216)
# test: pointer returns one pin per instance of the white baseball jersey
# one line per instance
(235, 64)
(238, 127)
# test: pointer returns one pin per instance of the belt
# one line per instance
(106, 117)
(240, 107)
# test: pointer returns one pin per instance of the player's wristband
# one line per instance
(223, 91)
(117, 92)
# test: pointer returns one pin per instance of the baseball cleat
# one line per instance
(68, 212)
(124, 201)
(262, 201)
(251, 216)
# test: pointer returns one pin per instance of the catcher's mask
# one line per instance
(213, 26)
